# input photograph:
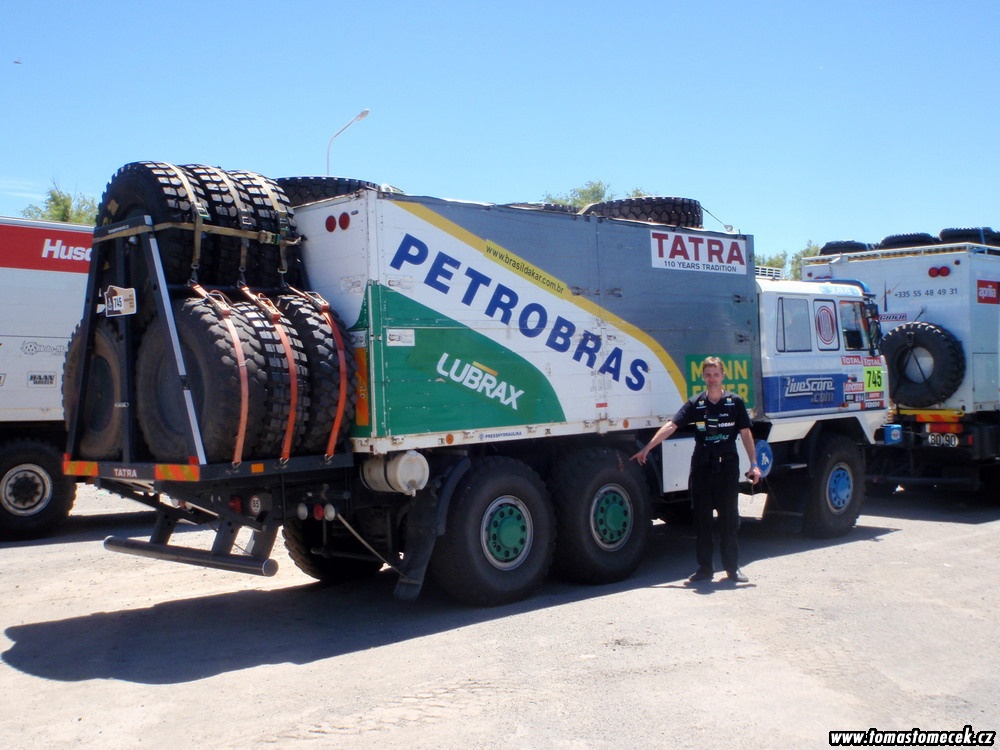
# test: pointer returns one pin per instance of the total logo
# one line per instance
(479, 378)
(988, 292)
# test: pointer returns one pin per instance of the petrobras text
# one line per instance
(477, 289)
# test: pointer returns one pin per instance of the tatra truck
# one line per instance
(448, 389)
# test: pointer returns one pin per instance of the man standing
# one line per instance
(718, 416)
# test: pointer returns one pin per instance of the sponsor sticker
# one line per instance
(988, 292)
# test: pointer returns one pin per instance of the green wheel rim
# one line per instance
(611, 517)
(506, 532)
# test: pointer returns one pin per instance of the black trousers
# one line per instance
(715, 486)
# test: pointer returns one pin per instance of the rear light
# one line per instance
(941, 271)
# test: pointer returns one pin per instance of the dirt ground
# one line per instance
(893, 627)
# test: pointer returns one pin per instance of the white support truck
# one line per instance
(443, 387)
(940, 302)
(43, 275)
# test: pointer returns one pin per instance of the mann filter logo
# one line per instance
(692, 252)
(41, 379)
(818, 390)
(479, 378)
(988, 292)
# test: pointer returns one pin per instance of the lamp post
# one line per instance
(359, 116)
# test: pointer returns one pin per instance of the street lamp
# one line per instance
(359, 116)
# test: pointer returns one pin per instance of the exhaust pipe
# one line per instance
(233, 563)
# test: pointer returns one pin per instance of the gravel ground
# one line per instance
(891, 627)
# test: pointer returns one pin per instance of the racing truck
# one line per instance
(940, 303)
(450, 389)
(43, 275)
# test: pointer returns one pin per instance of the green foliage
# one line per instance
(62, 206)
(593, 191)
(774, 261)
(795, 264)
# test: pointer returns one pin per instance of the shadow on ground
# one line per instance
(187, 639)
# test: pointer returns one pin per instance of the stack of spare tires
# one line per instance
(266, 366)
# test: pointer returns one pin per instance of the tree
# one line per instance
(592, 191)
(61, 206)
(795, 264)
(774, 261)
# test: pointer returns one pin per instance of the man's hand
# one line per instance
(641, 456)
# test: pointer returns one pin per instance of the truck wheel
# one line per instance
(35, 495)
(161, 191)
(324, 373)
(500, 535)
(836, 489)
(681, 212)
(302, 190)
(274, 215)
(316, 553)
(213, 379)
(101, 426)
(926, 364)
(602, 516)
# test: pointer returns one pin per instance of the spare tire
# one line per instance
(278, 401)
(213, 377)
(913, 239)
(324, 373)
(168, 194)
(978, 235)
(273, 213)
(926, 364)
(836, 247)
(302, 190)
(680, 212)
(100, 425)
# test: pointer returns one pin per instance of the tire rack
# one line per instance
(203, 491)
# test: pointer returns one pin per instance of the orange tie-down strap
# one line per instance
(218, 302)
(273, 315)
(323, 307)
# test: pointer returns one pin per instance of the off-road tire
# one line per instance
(602, 515)
(837, 247)
(926, 364)
(302, 190)
(680, 212)
(101, 423)
(913, 239)
(836, 489)
(324, 381)
(213, 379)
(976, 235)
(229, 207)
(167, 194)
(35, 496)
(500, 535)
(278, 369)
(315, 553)
(273, 213)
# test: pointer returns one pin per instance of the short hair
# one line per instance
(714, 362)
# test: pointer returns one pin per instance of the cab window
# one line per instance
(794, 323)
(852, 324)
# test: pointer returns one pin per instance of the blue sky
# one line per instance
(792, 121)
